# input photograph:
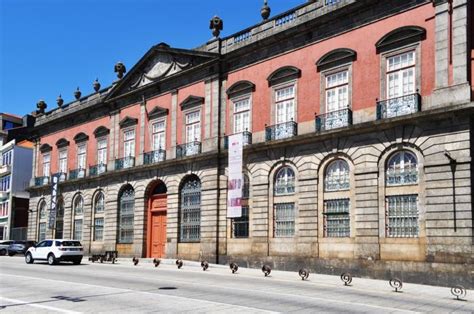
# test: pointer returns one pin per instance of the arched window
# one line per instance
(285, 181)
(99, 208)
(337, 176)
(190, 211)
(126, 215)
(402, 216)
(78, 210)
(42, 221)
(59, 219)
(402, 169)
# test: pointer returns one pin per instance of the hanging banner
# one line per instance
(54, 199)
(235, 180)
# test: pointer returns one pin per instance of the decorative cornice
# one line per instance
(101, 131)
(240, 87)
(283, 74)
(335, 58)
(157, 112)
(62, 143)
(400, 37)
(191, 101)
(81, 137)
(128, 121)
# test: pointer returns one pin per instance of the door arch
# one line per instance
(157, 216)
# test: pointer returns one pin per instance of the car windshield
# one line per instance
(68, 243)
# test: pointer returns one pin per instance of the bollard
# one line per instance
(346, 279)
(179, 263)
(204, 265)
(156, 262)
(266, 270)
(396, 284)
(134, 260)
(234, 267)
(459, 292)
(304, 273)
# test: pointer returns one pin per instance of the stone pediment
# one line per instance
(157, 112)
(128, 121)
(159, 63)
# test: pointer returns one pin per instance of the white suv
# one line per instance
(55, 251)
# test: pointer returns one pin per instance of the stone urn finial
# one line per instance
(60, 101)
(41, 105)
(96, 85)
(120, 69)
(77, 93)
(265, 11)
(216, 24)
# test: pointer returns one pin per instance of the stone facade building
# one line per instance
(357, 119)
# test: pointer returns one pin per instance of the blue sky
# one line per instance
(51, 47)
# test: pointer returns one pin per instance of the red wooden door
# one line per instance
(157, 226)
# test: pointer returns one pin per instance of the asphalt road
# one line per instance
(65, 288)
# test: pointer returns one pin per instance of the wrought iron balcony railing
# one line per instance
(334, 120)
(61, 175)
(39, 181)
(154, 156)
(97, 169)
(188, 149)
(124, 163)
(247, 139)
(77, 174)
(281, 131)
(399, 106)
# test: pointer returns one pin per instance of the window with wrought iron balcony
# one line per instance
(188, 149)
(98, 169)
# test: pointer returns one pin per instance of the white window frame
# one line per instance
(400, 70)
(62, 160)
(82, 155)
(340, 85)
(129, 139)
(240, 113)
(193, 125)
(288, 103)
(102, 151)
(158, 134)
(46, 164)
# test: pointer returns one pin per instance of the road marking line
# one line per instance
(142, 292)
(40, 306)
(215, 286)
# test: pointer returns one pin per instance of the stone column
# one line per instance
(141, 147)
(174, 117)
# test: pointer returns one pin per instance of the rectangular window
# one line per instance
(7, 158)
(81, 156)
(126, 222)
(336, 218)
(98, 229)
(102, 151)
(77, 229)
(159, 135)
(4, 209)
(401, 75)
(242, 115)
(285, 104)
(284, 220)
(5, 183)
(337, 91)
(129, 143)
(46, 165)
(42, 231)
(193, 126)
(402, 216)
(63, 161)
(240, 226)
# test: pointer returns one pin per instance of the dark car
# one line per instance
(20, 247)
(4, 246)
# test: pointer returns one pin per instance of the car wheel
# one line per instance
(77, 261)
(3, 252)
(51, 259)
(29, 259)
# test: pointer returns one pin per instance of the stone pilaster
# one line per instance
(141, 147)
(174, 118)
(459, 48)
(441, 44)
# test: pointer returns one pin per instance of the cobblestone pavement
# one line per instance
(122, 287)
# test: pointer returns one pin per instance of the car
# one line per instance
(56, 250)
(20, 247)
(4, 246)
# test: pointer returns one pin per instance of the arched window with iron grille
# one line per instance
(126, 215)
(190, 210)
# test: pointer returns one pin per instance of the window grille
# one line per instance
(337, 176)
(99, 205)
(77, 229)
(336, 218)
(126, 216)
(402, 169)
(58, 234)
(190, 223)
(246, 187)
(42, 231)
(240, 226)
(79, 206)
(284, 220)
(402, 216)
(285, 181)
(42, 210)
(98, 229)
